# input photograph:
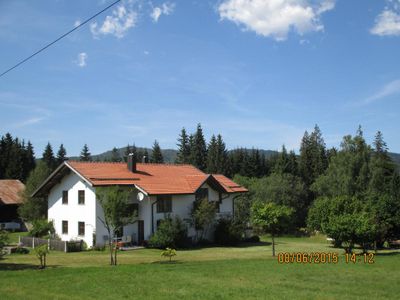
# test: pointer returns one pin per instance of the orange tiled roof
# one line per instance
(152, 178)
(229, 185)
(10, 191)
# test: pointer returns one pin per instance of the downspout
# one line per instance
(233, 205)
(152, 216)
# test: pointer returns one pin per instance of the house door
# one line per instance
(140, 232)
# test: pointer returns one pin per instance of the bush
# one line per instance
(20, 250)
(4, 238)
(227, 232)
(42, 228)
(171, 233)
(169, 253)
(75, 246)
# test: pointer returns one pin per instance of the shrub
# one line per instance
(227, 232)
(169, 252)
(21, 250)
(4, 238)
(171, 233)
(41, 253)
(42, 228)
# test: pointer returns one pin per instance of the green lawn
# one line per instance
(209, 273)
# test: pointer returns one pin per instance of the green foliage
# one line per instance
(42, 228)
(48, 157)
(117, 213)
(198, 149)
(61, 155)
(156, 155)
(16, 158)
(171, 232)
(283, 189)
(271, 218)
(34, 208)
(115, 156)
(203, 216)
(227, 232)
(169, 252)
(85, 154)
(4, 239)
(183, 155)
(41, 253)
(347, 220)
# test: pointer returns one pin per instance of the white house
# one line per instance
(158, 190)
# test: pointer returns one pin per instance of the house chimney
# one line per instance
(132, 162)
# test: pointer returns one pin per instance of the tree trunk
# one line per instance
(273, 245)
(115, 253)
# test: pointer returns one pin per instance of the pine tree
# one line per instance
(222, 157)
(198, 149)
(183, 156)
(115, 157)
(48, 157)
(85, 154)
(156, 155)
(382, 167)
(212, 156)
(61, 155)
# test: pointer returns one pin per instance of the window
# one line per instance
(164, 204)
(81, 197)
(81, 228)
(64, 197)
(202, 194)
(64, 227)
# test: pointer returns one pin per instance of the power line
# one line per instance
(55, 41)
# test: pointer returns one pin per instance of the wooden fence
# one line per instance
(71, 246)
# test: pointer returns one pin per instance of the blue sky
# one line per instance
(260, 72)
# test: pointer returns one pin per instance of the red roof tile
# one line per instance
(10, 191)
(152, 178)
(229, 185)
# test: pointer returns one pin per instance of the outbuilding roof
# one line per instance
(10, 191)
(153, 179)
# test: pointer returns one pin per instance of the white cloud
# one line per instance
(82, 57)
(276, 18)
(28, 122)
(165, 9)
(118, 23)
(390, 89)
(387, 23)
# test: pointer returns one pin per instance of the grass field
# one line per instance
(208, 273)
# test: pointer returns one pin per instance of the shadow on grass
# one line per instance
(241, 245)
(394, 253)
(167, 262)
(19, 267)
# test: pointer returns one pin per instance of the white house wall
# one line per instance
(73, 212)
